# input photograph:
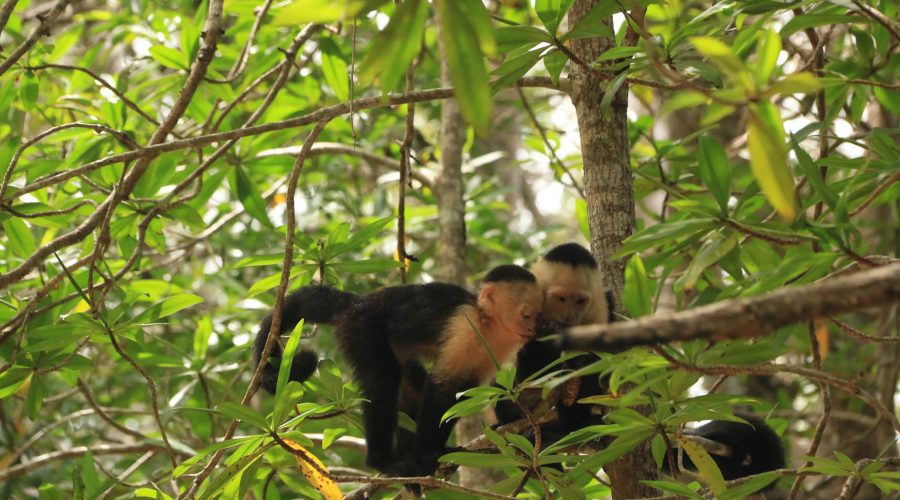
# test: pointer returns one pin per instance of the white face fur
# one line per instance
(572, 295)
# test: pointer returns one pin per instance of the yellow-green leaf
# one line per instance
(768, 158)
(705, 464)
(317, 474)
(796, 83)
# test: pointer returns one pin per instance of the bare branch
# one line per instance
(746, 317)
(42, 29)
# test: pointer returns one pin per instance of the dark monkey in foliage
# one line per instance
(387, 334)
(755, 448)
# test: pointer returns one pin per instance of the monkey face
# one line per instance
(566, 306)
(515, 306)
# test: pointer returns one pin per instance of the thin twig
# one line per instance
(543, 133)
(5, 11)
(46, 22)
(853, 332)
(274, 330)
(103, 83)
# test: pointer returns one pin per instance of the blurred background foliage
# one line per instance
(756, 163)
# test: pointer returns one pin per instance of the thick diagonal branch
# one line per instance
(747, 317)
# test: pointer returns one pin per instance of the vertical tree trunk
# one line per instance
(609, 190)
(451, 244)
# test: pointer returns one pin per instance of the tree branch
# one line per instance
(746, 317)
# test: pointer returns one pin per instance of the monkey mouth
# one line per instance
(526, 336)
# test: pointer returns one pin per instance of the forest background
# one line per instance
(169, 169)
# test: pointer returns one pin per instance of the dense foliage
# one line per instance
(144, 209)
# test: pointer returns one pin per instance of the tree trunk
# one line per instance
(609, 191)
(451, 244)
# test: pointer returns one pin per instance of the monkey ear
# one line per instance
(486, 295)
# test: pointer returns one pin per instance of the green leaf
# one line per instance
(287, 358)
(660, 233)
(166, 307)
(710, 253)
(186, 465)
(335, 68)
(28, 90)
(201, 337)
(768, 47)
(513, 37)
(244, 414)
(361, 237)
(676, 488)
(89, 475)
(19, 238)
(768, 158)
(555, 61)
(594, 23)
(715, 170)
(814, 175)
(245, 190)
(756, 483)
(800, 23)
(719, 53)
(232, 472)
(638, 295)
(551, 12)
(169, 57)
(888, 98)
(515, 66)
(619, 53)
(795, 83)
(466, 60)
(395, 47)
(12, 379)
(322, 11)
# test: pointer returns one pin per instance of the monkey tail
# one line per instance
(314, 304)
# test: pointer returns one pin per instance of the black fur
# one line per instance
(374, 331)
(572, 254)
(315, 304)
(755, 448)
(510, 274)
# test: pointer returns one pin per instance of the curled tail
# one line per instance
(314, 304)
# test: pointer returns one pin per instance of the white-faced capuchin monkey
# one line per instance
(574, 295)
(387, 334)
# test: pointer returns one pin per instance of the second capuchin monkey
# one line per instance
(574, 295)
(388, 334)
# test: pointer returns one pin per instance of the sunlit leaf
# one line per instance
(395, 47)
(768, 158)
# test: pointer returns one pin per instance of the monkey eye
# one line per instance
(561, 298)
(581, 302)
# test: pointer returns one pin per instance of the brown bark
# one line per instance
(748, 317)
(451, 244)
(609, 193)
